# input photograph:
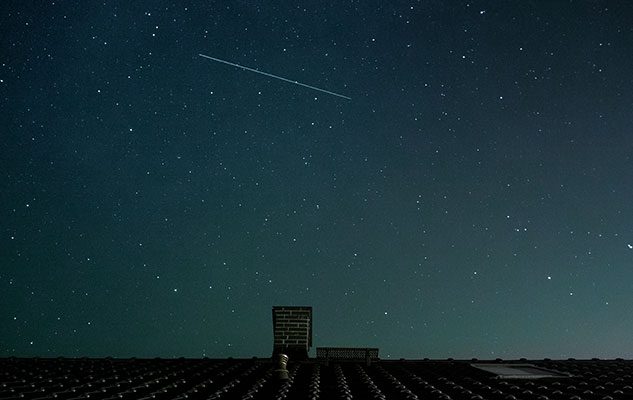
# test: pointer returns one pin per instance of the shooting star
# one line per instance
(274, 76)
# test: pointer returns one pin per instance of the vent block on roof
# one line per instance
(347, 353)
(366, 354)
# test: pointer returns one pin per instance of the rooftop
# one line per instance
(107, 378)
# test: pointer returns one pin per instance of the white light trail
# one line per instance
(274, 76)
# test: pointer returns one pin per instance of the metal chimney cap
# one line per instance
(281, 373)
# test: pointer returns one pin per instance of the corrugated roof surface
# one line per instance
(63, 378)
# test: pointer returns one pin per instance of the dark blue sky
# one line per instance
(472, 199)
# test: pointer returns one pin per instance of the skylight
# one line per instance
(520, 371)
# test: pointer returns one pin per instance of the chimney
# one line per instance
(292, 331)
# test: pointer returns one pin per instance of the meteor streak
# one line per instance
(274, 76)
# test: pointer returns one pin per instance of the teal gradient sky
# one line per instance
(472, 199)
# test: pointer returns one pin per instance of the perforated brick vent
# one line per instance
(347, 353)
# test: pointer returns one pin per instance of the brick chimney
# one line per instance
(292, 331)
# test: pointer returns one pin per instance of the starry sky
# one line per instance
(471, 199)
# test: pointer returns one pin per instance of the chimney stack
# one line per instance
(292, 331)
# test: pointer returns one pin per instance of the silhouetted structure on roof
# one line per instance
(365, 354)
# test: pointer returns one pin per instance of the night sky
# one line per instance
(474, 198)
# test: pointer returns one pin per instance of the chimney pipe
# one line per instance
(281, 373)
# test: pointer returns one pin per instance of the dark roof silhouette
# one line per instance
(107, 378)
